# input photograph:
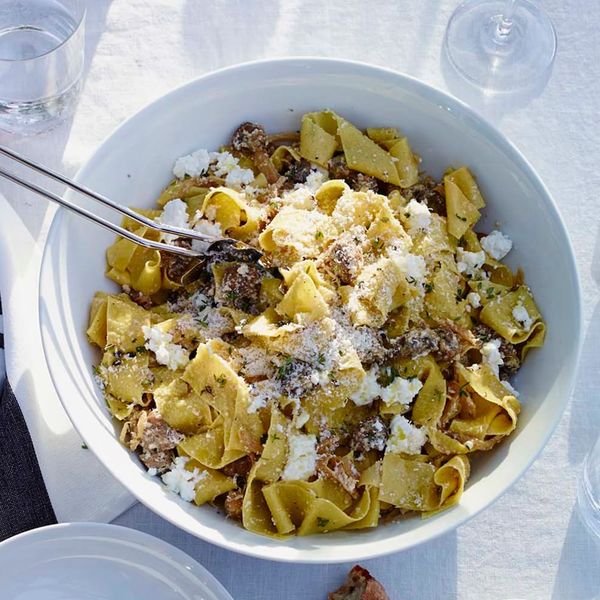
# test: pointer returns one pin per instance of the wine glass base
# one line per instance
(500, 63)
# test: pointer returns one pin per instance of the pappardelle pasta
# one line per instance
(344, 379)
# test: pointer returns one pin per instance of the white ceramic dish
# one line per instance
(135, 162)
(93, 561)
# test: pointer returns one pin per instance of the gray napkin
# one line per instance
(24, 501)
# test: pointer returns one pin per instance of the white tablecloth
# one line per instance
(531, 543)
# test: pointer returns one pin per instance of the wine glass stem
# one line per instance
(505, 24)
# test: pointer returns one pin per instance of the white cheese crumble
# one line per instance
(521, 316)
(160, 342)
(261, 392)
(469, 263)
(413, 266)
(417, 216)
(405, 437)
(474, 299)
(194, 164)
(208, 228)
(510, 388)
(227, 166)
(400, 391)
(314, 180)
(497, 245)
(302, 457)
(182, 481)
(491, 355)
(175, 214)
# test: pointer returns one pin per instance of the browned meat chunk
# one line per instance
(234, 502)
(298, 171)
(508, 351)
(448, 343)
(155, 441)
(445, 342)
(359, 585)
(363, 183)
(240, 467)
(158, 443)
(240, 287)
(340, 470)
(430, 192)
(371, 434)
(414, 343)
(139, 298)
(329, 442)
(338, 169)
(344, 258)
(176, 266)
(294, 377)
(251, 140)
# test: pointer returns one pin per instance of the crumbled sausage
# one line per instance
(240, 467)
(298, 171)
(371, 434)
(414, 343)
(234, 502)
(294, 377)
(329, 442)
(251, 140)
(340, 470)
(363, 183)
(174, 265)
(139, 298)
(448, 346)
(154, 439)
(508, 351)
(344, 258)
(445, 342)
(240, 287)
(359, 585)
(337, 167)
(430, 193)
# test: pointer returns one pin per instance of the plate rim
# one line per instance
(117, 533)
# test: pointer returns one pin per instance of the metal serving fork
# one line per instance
(215, 244)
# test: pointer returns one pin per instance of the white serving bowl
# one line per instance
(134, 164)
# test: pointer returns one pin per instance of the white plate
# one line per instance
(135, 162)
(92, 561)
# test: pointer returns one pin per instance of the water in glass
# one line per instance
(41, 59)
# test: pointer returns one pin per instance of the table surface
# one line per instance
(531, 543)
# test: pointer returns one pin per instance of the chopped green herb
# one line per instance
(490, 293)
(321, 522)
(411, 280)
(231, 295)
(319, 235)
(141, 350)
(285, 367)
(321, 358)
(429, 288)
(84, 446)
(221, 379)
(461, 217)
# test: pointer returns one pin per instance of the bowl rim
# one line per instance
(490, 132)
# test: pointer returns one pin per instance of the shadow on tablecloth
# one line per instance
(578, 576)
(428, 571)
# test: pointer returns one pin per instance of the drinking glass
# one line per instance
(588, 493)
(502, 46)
(41, 61)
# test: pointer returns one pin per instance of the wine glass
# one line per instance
(501, 46)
